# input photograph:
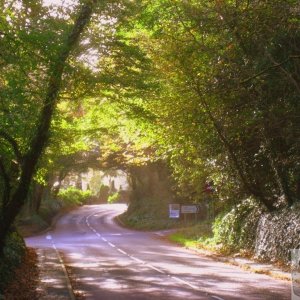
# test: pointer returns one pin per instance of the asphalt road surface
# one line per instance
(113, 263)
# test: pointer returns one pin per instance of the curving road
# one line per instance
(113, 263)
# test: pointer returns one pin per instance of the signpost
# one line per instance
(174, 211)
(189, 209)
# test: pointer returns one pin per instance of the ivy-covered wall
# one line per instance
(268, 236)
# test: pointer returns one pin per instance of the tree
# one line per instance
(16, 189)
(227, 90)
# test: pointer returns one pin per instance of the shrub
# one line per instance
(73, 196)
(13, 254)
(113, 198)
(236, 229)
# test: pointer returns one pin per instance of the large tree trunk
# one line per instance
(36, 198)
(151, 182)
(38, 143)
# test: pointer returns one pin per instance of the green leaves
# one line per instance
(210, 87)
(206, 117)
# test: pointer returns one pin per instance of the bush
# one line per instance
(13, 254)
(236, 229)
(113, 198)
(73, 196)
(149, 214)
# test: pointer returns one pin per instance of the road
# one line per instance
(113, 263)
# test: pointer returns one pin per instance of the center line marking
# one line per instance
(216, 297)
(156, 269)
(185, 282)
(145, 263)
(136, 259)
(120, 250)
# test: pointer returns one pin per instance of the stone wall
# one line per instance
(268, 236)
(276, 234)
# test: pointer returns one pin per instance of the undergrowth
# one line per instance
(148, 222)
(231, 232)
(13, 254)
(73, 196)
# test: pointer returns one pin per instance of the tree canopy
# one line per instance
(209, 87)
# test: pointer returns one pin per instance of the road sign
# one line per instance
(189, 209)
(174, 211)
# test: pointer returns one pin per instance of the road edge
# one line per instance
(243, 263)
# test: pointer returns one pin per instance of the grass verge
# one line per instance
(198, 236)
(148, 222)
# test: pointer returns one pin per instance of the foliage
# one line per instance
(209, 87)
(13, 254)
(236, 230)
(196, 236)
(73, 196)
(48, 210)
(224, 92)
(149, 214)
(148, 222)
(34, 72)
(232, 231)
(26, 277)
(113, 198)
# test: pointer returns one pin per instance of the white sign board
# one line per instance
(189, 209)
(174, 211)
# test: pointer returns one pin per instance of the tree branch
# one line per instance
(286, 73)
(13, 143)
(276, 65)
(6, 180)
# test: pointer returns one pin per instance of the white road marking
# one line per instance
(156, 269)
(144, 262)
(112, 245)
(48, 237)
(136, 259)
(216, 297)
(185, 282)
(70, 289)
(120, 250)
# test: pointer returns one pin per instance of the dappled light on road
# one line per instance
(109, 262)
